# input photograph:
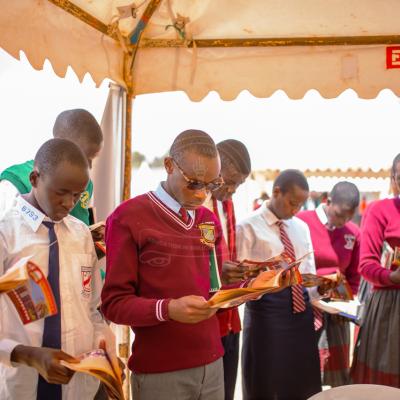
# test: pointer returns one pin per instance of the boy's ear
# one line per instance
(276, 191)
(169, 165)
(34, 177)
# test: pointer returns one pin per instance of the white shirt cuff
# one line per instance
(6, 348)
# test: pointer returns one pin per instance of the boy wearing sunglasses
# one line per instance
(161, 250)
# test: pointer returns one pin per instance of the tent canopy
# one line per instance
(223, 45)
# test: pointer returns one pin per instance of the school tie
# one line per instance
(184, 215)
(229, 212)
(52, 325)
(298, 304)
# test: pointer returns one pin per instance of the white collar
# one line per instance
(321, 214)
(169, 201)
(269, 216)
(31, 215)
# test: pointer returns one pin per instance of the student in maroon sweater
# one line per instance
(336, 243)
(235, 168)
(377, 357)
(160, 255)
(365, 288)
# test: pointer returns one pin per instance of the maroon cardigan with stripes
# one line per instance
(152, 257)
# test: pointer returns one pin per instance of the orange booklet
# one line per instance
(100, 365)
(278, 274)
(29, 291)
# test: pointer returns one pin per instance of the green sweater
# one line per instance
(18, 175)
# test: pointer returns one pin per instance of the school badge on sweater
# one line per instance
(350, 241)
(207, 231)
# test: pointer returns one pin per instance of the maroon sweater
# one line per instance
(152, 257)
(335, 249)
(382, 223)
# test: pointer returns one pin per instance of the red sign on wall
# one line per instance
(392, 57)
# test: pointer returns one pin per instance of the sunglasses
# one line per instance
(194, 184)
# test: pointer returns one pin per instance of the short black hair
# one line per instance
(289, 178)
(78, 125)
(235, 153)
(396, 160)
(55, 151)
(345, 194)
(195, 141)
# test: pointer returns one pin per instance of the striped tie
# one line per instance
(184, 215)
(298, 304)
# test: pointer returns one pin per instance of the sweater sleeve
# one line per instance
(121, 303)
(372, 238)
(352, 274)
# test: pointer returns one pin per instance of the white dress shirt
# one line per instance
(22, 234)
(8, 193)
(258, 238)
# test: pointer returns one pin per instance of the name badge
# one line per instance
(30, 214)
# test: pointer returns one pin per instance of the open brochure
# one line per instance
(277, 275)
(346, 309)
(100, 244)
(341, 292)
(29, 291)
(98, 364)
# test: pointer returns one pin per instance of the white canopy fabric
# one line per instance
(43, 30)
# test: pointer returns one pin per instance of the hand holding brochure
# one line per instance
(97, 231)
(29, 291)
(277, 275)
(98, 364)
(341, 290)
(253, 268)
(390, 257)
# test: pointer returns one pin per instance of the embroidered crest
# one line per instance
(350, 241)
(84, 199)
(207, 231)
(86, 273)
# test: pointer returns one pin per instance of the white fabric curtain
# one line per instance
(107, 172)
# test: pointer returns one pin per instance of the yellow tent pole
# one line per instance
(126, 194)
(124, 346)
(366, 40)
(85, 17)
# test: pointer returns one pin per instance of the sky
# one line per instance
(279, 132)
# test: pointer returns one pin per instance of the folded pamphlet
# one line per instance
(100, 365)
(29, 291)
